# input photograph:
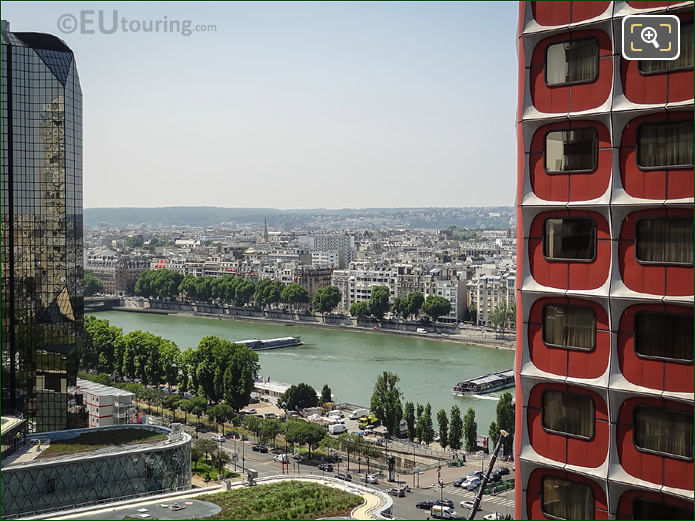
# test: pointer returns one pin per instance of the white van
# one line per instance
(335, 414)
(358, 413)
(421, 330)
(441, 512)
(337, 428)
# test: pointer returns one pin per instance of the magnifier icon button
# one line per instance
(648, 35)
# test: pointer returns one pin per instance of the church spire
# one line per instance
(265, 230)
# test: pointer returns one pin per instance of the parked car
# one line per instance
(471, 484)
(344, 476)
(398, 492)
(495, 477)
(253, 399)
(467, 504)
(371, 478)
(442, 512)
(282, 458)
(495, 516)
(444, 503)
(248, 411)
(503, 471)
(260, 448)
(277, 450)
(459, 482)
(326, 467)
(425, 505)
(218, 437)
(271, 415)
(475, 474)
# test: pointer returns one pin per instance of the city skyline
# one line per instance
(324, 105)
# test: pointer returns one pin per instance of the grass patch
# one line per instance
(89, 441)
(202, 468)
(283, 500)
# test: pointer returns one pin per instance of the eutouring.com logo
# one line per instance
(109, 22)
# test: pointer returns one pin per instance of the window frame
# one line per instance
(569, 348)
(588, 261)
(653, 451)
(565, 172)
(666, 71)
(637, 145)
(572, 481)
(658, 263)
(565, 84)
(568, 434)
(652, 357)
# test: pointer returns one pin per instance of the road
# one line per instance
(403, 508)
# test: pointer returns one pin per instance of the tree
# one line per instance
(298, 397)
(205, 446)
(196, 454)
(220, 458)
(470, 431)
(473, 313)
(271, 428)
(268, 291)
(400, 307)
(142, 357)
(220, 414)
(502, 316)
(294, 294)
(169, 355)
(379, 301)
(199, 406)
(386, 402)
(349, 442)
(436, 306)
(326, 299)
(102, 346)
(359, 309)
(304, 433)
(425, 426)
(326, 395)
(505, 421)
(455, 428)
(134, 241)
(409, 417)
(186, 406)
(443, 423)
(92, 284)
(414, 302)
(419, 411)
(252, 423)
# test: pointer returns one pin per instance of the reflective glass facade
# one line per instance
(41, 199)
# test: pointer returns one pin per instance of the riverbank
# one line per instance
(470, 337)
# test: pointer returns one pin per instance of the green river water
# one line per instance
(348, 361)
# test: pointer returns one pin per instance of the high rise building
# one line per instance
(41, 199)
(604, 394)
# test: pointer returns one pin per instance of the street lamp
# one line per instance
(479, 496)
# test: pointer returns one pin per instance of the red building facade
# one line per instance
(604, 395)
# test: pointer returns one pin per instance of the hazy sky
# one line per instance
(293, 105)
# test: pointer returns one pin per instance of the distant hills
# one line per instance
(493, 217)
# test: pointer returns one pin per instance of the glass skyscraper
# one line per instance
(41, 199)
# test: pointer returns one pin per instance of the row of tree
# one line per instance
(379, 304)
(217, 369)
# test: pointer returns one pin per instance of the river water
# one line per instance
(348, 361)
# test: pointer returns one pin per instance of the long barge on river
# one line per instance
(272, 343)
(485, 384)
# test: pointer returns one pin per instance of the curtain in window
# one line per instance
(664, 336)
(665, 240)
(669, 432)
(569, 326)
(567, 499)
(569, 239)
(684, 60)
(664, 145)
(571, 150)
(572, 62)
(569, 413)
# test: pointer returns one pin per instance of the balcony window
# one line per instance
(665, 241)
(569, 327)
(571, 151)
(665, 145)
(664, 336)
(566, 499)
(569, 239)
(684, 60)
(664, 431)
(567, 63)
(569, 414)
(645, 509)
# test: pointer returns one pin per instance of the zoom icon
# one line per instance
(651, 37)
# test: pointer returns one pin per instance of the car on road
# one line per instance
(495, 477)
(425, 505)
(502, 470)
(270, 415)
(471, 484)
(444, 503)
(475, 474)
(326, 467)
(248, 411)
(495, 516)
(371, 478)
(467, 504)
(218, 437)
(398, 492)
(459, 482)
(441, 512)
(282, 458)
(260, 448)
(344, 476)
(278, 450)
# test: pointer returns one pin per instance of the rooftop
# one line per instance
(100, 389)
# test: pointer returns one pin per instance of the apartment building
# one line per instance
(342, 243)
(488, 291)
(604, 394)
(117, 272)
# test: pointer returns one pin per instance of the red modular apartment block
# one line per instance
(604, 414)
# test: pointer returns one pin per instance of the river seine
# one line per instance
(348, 361)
